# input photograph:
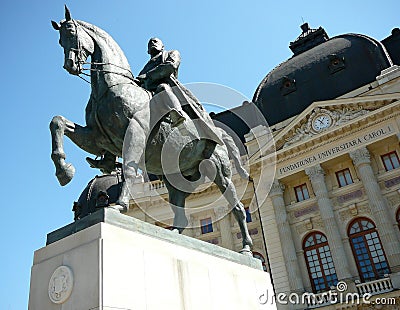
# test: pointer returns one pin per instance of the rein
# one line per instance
(81, 62)
(130, 77)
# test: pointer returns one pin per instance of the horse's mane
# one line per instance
(96, 32)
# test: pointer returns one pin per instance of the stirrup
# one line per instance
(104, 166)
(177, 118)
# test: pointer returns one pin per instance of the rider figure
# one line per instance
(156, 77)
(159, 76)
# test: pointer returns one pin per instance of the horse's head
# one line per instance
(77, 43)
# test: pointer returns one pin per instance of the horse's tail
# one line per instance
(234, 154)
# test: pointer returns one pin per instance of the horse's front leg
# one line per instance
(64, 171)
(84, 137)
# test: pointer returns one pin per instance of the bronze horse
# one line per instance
(117, 122)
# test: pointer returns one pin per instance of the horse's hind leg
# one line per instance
(133, 149)
(227, 188)
(81, 136)
(177, 202)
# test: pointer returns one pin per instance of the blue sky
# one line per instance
(233, 43)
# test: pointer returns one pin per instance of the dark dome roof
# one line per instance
(321, 69)
(392, 44)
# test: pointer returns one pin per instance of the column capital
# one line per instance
(192, 219)
(314, 171)
(360, 156)
(277, 188)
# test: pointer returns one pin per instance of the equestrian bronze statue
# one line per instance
(180, 145)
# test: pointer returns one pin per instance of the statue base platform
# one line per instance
(112, 261)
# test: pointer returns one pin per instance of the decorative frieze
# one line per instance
(318, 223)
(337, 117)
(344, 215)
(309, 224)
(392, 182)
(304, 211)
(350, 196)
(364, 209)
(347, 114)
(352, 211)
(299, 162)
(302, 228)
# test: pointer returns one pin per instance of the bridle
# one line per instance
(81, 54)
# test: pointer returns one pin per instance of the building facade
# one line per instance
(330, 212)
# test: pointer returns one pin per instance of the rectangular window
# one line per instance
(344, 177)
(301, 192)
(390, 161)
(248, 215)
(206, 225)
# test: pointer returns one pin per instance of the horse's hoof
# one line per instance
(117, 207)
(246, 251)
(175, 230)
(65, 174)
(121, 206)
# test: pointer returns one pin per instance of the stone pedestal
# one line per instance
(112, 261)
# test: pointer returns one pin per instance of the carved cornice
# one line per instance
(309, 224)
(277, 188)
(339, 116)
(348, 213)
(360, 156)
(367, 122)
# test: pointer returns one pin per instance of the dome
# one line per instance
(100, 192)
(320, 69)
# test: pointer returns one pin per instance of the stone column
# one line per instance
(195, 226)
(317, 178)
(223, 217)
(378, 205)
(190, 229)
(288, 248)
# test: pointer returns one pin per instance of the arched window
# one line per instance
(261, 258)
(367, 250)
(319, 262)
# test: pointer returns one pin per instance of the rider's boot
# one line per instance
(177, 117)
(106, 164)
